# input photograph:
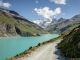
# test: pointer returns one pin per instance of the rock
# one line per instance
(13, 24)
(78, 45)
(39, 44)
(7, 29)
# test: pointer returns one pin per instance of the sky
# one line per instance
(43, 9)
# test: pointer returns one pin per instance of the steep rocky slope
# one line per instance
(64, 25)
(43, 22)
(59, 25)
(12, 24)
(70, 45)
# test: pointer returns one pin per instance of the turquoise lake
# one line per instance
(12, 46)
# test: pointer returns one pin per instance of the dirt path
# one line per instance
(46, 52)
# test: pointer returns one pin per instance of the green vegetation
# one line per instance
(70, 45)
(18, 25)
(64, 25)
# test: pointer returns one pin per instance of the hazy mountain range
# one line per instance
(42, 23)
(58, 25)
(13, 24)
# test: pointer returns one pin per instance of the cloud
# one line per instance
(46, 12)
(55, 16)
(38, 22)
(59, 1)
(4, 4)
(36, 1)
(43, 23)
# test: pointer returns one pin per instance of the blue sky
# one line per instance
(40, 9)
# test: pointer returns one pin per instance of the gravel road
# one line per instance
(45, 52)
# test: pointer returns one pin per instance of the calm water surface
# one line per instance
(9, 47)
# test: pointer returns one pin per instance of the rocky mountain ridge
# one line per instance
(59, 26)
(13, 24)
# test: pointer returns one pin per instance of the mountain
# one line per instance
(70, 45)
(63, 25)
(58, 25)
(44, 22)
(12, 24)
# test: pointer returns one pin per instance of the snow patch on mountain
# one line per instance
(44, 22)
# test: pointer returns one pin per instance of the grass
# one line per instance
(69, 44)
(62, 28)
(24, 26)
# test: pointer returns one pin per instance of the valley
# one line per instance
(43, 39)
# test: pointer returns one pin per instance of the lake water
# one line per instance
(9, 47)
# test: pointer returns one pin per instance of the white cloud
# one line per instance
(5, 4)
(55, 16)
(46, 12)
(43, 23)
(36, 1)
(59, 1)
(38, 21)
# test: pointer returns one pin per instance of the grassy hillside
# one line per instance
(21, 26)
(70, 46)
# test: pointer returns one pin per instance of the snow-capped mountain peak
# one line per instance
(44, 22)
